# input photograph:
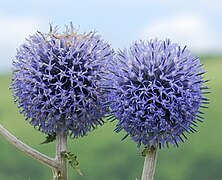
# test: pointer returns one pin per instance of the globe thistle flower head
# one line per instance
(158, 90)
(56, 81)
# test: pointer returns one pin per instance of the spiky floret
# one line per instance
(157, 92)
(56, 81)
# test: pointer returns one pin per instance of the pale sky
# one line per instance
(195, 23)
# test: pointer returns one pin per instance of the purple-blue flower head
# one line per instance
(157, 92)
(56, 81)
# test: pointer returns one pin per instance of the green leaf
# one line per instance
(72, 159)
(145, 151)
(49, 138)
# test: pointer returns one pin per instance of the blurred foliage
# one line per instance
(102, 154)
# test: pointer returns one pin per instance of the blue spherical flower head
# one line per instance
(158, 90)
(56, 81)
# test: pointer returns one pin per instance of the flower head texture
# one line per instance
(56, 81)
(157, 92)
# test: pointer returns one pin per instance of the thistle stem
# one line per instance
(58, 164)
(61, 172)
(149, 164)
(27, 149)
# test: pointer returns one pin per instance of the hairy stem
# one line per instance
(28, 150)
(61, 172)
(149, 164)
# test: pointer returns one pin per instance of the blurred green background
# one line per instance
(103, 155)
